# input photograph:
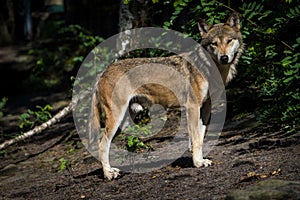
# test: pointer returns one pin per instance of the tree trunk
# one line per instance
(131, 15)
(7, 23)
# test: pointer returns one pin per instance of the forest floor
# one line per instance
(55, 164)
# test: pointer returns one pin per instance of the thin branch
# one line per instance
(40, 128)
(60, 115)
(285, 44)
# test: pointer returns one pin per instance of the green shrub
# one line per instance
(31, 118)
(132, 134)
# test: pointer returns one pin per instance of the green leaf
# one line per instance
(24, 116)
(289, 79)
(289, 72)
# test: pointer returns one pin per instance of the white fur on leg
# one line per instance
(104, 146)
(198, 159)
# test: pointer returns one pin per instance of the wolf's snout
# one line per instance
(224, 59)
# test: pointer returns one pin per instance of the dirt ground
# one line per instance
(55, 165)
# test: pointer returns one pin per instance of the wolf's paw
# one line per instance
(111, 173)
(203, 163)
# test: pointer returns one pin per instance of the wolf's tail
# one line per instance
(94, 121)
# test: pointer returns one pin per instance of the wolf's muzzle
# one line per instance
(224, 59)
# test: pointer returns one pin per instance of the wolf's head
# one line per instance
(223, 41)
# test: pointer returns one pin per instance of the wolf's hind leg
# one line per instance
(111, 127)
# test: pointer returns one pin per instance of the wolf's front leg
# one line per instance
(197, 132)
(201, 162)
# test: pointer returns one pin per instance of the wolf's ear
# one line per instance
(203, 27)
(234, 20)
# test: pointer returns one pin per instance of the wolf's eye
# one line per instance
(214, 44)
(228, 41)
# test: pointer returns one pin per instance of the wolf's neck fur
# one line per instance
(227, 72)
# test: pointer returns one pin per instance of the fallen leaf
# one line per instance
(276, 172)
(251, 174)
(263, 176)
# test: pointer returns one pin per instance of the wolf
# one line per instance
(224, 44)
